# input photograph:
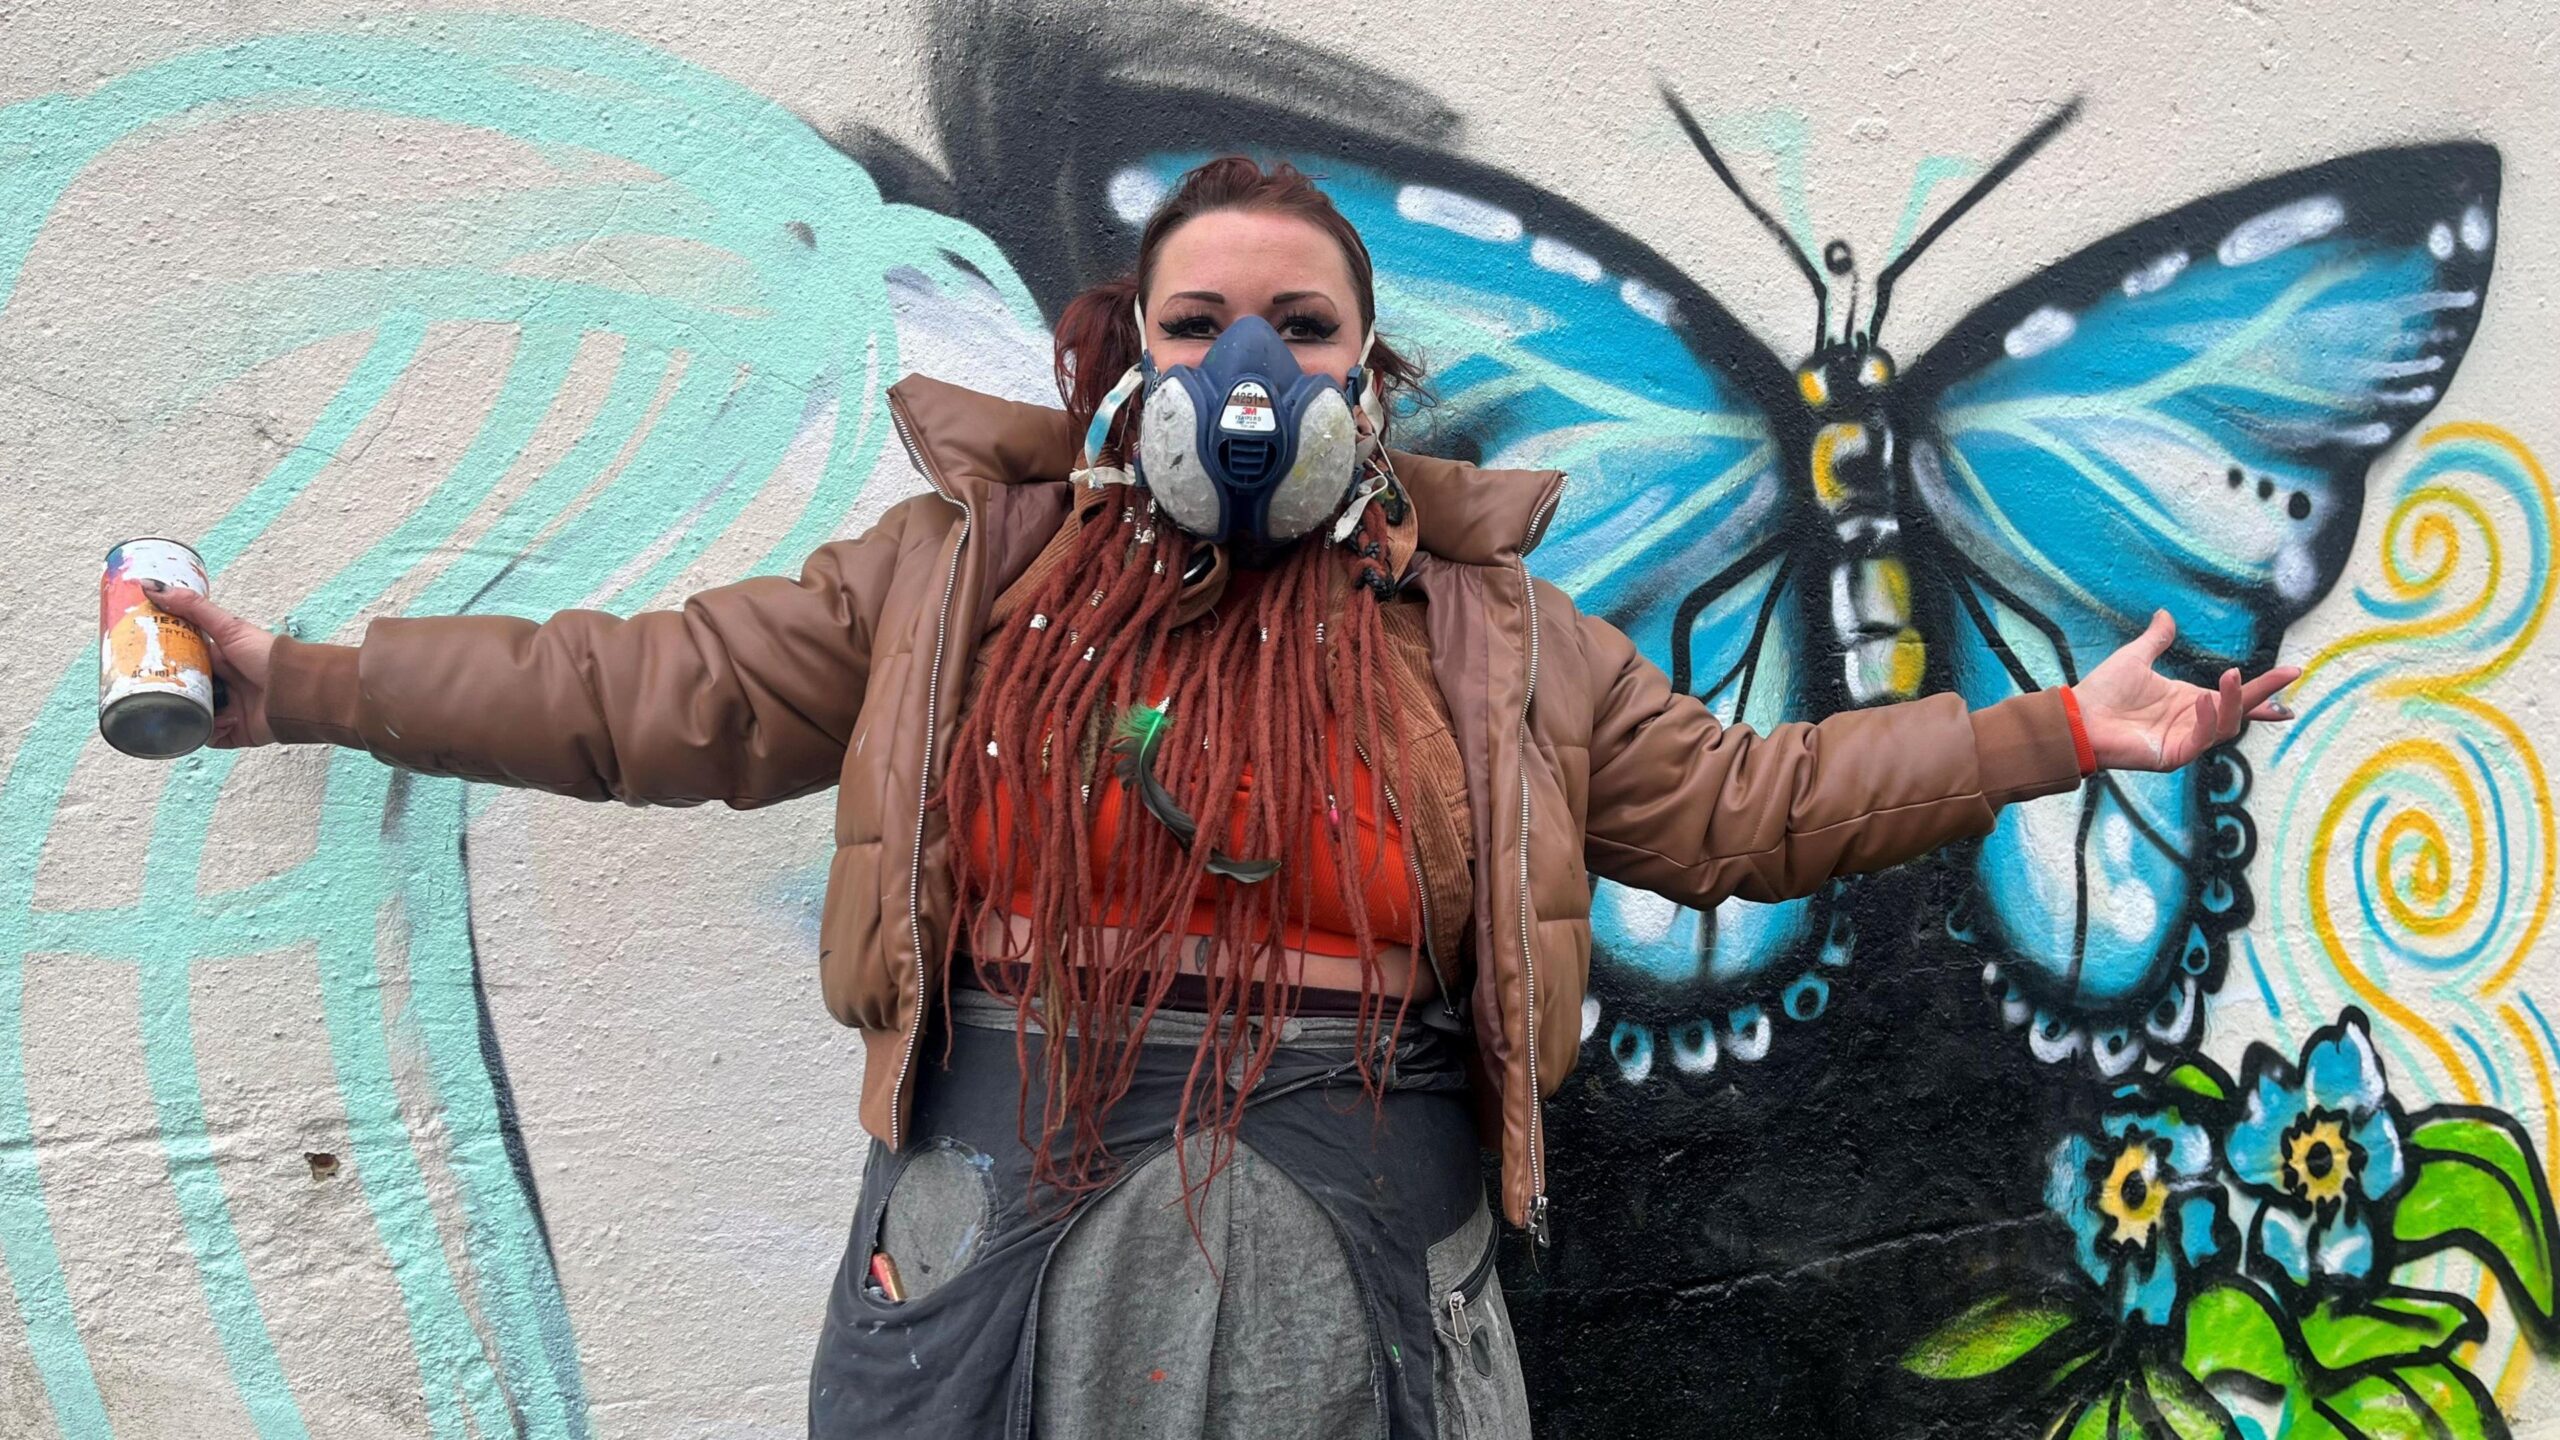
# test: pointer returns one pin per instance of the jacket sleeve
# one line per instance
(747, 694)
(1696, 810)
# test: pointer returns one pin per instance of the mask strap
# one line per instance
(1369, 403)
(1372, 483)
(1099, 432)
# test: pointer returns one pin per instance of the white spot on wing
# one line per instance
(2295, 574)
(2431, 300)
(1548, 253)
(2152, 278)
(2039, 332)
(2130, 909)
(2475, 229)
(1643, 916)
(1134, 194)
(2115, 837)
(2281, 229)
(1426, 205)
(2375, 433)
(2414, 395)
(1652, 304)
(2400, 369)
(2440, 241)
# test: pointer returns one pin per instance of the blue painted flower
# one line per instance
(2321, 1145)
(2144, 1207)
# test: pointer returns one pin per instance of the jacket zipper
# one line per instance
(1421, 892)
(924, 776)
(1538, 1231)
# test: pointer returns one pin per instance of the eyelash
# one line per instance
(1318, 330)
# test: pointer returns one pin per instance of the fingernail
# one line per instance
(155, 586)
(2281, 712)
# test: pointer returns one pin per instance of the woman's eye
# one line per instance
(1190, 327)
(1302, 328)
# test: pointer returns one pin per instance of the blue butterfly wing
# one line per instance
(2179, 417)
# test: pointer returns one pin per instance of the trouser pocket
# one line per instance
(1476, 1383)
(934, 1218)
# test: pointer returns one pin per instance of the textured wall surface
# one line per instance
(341, 1102)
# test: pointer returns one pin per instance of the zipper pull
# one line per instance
(1458, 1327)
(1538, 1234)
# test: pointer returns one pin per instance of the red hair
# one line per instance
(1252, 686)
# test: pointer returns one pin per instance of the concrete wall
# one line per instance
(340, 1102)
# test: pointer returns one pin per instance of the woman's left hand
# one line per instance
(2139, 719)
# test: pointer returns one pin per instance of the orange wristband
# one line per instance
(2080, 746)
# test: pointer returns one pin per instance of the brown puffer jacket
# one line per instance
(1578, 757)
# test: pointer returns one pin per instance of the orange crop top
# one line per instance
(1387, 890)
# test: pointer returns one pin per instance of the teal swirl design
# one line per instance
(753, 280)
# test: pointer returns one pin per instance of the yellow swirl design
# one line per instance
(2433, 859)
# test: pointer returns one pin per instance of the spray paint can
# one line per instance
(155, 672)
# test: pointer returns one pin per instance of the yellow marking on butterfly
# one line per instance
(1888, 574)
(1828, 444)
(1816, 392)
(1910, 662)
(1875, 371)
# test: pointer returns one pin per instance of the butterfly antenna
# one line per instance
(1715, 162)
(2017, 156)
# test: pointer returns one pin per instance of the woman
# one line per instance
(1215, 791)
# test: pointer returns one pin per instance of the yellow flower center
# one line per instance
(2317, 1162)
(2132, 1197)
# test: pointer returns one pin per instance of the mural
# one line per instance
(1961, 1145)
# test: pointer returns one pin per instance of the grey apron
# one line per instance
(1341, 1283)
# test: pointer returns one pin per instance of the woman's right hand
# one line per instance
(243, 660)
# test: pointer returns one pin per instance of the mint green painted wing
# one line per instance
(624, 327)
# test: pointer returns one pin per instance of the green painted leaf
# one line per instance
(2415, 1324)
(2068, 1368)
(2458, 1398)
(2419, 1402)
(2106, 1417)
(2495, 1138)
(1991, 1336)
(2232, 1328)
(2304, 1420)
(2186, 1407)
(2477, 1188)
(2199, 1077)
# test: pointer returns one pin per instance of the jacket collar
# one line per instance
(1476, 516)
(971, 442)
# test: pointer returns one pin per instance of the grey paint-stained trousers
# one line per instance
(1340, 1284)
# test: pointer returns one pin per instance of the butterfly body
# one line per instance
(1850, 466)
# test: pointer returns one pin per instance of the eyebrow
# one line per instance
(1284, 297)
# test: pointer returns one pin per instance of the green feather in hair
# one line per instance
(1135, 738)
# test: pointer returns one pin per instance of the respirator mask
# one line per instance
(1245, 448)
